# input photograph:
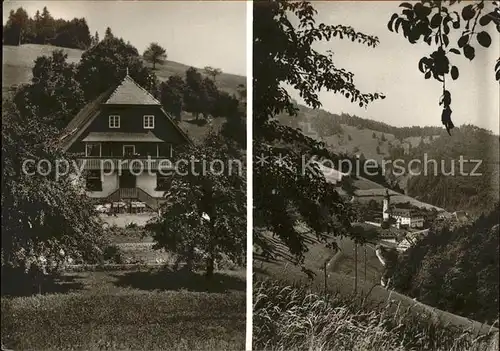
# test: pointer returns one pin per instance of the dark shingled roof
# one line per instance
(130, 93)
(86, 114)
(122, 137)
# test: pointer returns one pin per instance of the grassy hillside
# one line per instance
(19, 60)
(292, 317)
(341, 278)
(382, 143)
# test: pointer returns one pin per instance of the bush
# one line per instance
(113, 254)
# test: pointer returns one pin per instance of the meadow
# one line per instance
(132, 303)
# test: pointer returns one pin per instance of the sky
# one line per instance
(392, 68)
(196, 33)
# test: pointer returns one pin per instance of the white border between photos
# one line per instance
(249, 283)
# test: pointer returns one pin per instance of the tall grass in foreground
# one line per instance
(293, 318)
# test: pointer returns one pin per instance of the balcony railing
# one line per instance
(109, 163)
(134, 194)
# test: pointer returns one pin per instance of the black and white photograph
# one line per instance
(375, 175)
(124, 207)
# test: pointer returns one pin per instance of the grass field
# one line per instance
(19, 60)
(130, 310)
(137, 305)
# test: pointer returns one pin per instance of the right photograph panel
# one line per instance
(376, 175)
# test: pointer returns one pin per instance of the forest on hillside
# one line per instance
(456, 268)
(472, 187)
(43, 28)
(328, 123)
(474, 193)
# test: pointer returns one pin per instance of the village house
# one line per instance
(123, 138)
(405, 217)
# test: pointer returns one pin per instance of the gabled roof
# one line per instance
(86, 115)
(90, 111)
(131, 93)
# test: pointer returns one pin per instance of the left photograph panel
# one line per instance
(124, 175)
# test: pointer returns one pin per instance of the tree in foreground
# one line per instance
(286, 194)
(45, 219)
(438, 24)
(204, 218)
(155, 54)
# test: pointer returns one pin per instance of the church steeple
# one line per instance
(386, 206)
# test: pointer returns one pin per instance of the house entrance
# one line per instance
(127, 180)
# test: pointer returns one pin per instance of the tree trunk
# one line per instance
(210, 267)
(189, 260)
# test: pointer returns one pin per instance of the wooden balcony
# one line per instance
(108, 163)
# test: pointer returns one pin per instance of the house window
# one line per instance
(93, 149)
(93, 180)
(128, 150)
(163, 182)
(165, 150)
(114, 121)
(148, 121)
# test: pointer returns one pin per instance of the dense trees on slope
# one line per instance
(44, 29)
(440, 180)
(456, 268)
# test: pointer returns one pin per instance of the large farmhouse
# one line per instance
(124, 138)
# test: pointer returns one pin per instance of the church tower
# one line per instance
(387, 203)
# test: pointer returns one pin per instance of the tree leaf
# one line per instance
(454, 72)
(463, 41)
(391, 21)
(469, 52)
(405, 4)
(468, 12)
(436, 20)
(455, 51)
(446, 40)
(484, 39)
(485, 19)
(427, 74)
